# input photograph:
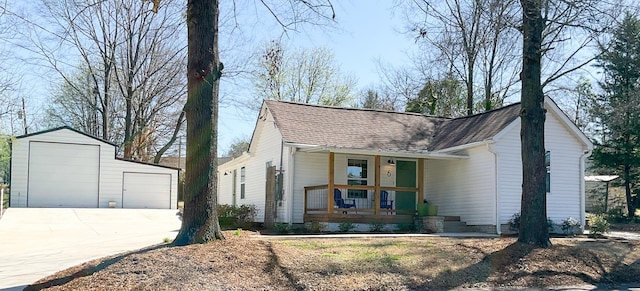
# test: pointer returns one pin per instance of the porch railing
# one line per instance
(365, 197)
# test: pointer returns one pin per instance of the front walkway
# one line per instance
(37, 242)
(623, 235)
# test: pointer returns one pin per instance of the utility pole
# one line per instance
(24, 117)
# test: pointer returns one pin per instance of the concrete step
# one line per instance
(451, 218)
(457, 226)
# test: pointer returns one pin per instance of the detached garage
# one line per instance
(63, 167)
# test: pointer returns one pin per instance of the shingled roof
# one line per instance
(365, 129)
(474, 128)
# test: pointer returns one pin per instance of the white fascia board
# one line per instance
(371, 152)
(236, 161)
(464, 146)
(304, 147)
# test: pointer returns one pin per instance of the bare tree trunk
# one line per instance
(176, 131)
(533, 218)
(128, 128)
(470, 88)
(200, 219)
(105, 113)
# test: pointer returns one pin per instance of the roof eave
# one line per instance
(376, 152)
(464, 146)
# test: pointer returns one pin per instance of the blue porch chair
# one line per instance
(342, 203)
(385, 203)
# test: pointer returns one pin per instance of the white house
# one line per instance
(63, 167)
(359, 165)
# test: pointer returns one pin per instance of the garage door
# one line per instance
(63, 175)
(146, 190)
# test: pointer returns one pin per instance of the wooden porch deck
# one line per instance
(319, 206)
(358, 218)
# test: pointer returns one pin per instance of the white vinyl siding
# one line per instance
(311, 169)
(20, 159)
(463, 187)
(265, 147)
(225, 186)
(565, 176)
(110, 180)
(460, 187)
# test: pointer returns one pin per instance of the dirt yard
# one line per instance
(244, 261)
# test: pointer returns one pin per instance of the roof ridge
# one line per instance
(358, 109)
(486, 112)
(68, 128)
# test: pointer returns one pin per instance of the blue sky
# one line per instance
(366, 32)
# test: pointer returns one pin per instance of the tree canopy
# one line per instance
(301, 75)
(618, 108)
(440, 97)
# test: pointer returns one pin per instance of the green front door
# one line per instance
(405, 177)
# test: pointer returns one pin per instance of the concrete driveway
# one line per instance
(36, 242)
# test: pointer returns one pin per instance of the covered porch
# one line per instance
(391, 195)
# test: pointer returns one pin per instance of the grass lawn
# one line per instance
(245, 262)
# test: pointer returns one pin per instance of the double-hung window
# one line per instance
(242, 180)
(357, 175)
(547, 165)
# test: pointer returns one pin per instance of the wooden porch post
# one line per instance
(420, 181)
(376, 199)
(331, 182)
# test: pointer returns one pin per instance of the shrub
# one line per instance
(281, 228)
(246, 213)
(406, 227)
(346, 226)
(598, 225)
(616, 216)
(231, 217)
(550, 224)
(514, 223)
(570, 226)
(317, 227)
(376, 226)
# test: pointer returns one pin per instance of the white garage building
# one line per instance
(63, 167)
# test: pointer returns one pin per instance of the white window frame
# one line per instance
(547, 164)
(243, 178)
(358, 194)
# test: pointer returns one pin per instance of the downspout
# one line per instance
(291, 175)
(583, 157)
(496, 178)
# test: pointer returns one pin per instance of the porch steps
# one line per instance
(453, 224)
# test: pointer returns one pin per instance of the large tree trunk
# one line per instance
(200, 218)
(533, 218)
